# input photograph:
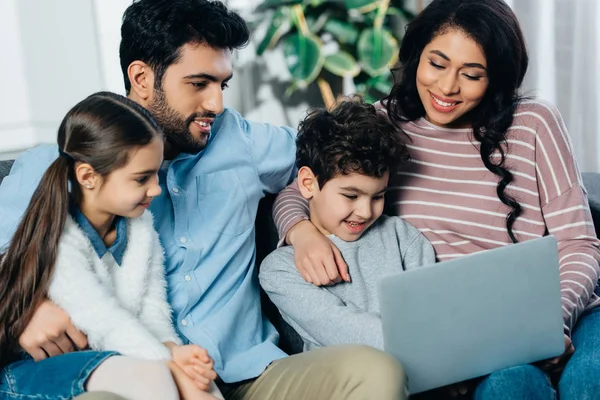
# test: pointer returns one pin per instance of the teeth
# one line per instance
(202, 124)
(353, 223)
(443, 103)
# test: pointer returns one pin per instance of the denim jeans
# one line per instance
(56, 378)
(580, 379)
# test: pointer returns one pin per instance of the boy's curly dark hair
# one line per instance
(352, 137)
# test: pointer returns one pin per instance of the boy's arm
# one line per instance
(318, 316)
(18, 187)
(416, 250)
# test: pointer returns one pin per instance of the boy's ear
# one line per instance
(307, 183)
(86, 175)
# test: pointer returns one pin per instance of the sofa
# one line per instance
(266, 241)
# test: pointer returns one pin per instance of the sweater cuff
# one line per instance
(286, 228)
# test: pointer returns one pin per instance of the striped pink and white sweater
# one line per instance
(450, 196)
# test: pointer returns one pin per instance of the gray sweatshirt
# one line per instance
(346, 313)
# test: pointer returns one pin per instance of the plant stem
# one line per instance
(383, 7)
(300, 20)
(326, 93)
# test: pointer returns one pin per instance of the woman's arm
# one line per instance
(318, 260)
(566, 212)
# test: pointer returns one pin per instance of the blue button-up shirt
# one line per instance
(205, 220)
(117, 249)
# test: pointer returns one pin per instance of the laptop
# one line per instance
(471, 316)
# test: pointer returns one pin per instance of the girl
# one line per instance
(87, 243)
(489, 168)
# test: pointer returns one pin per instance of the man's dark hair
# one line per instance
(154, 31)
(352, 137)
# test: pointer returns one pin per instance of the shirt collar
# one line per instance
(117, 249)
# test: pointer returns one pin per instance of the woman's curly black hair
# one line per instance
(352, 137)
(494, 27)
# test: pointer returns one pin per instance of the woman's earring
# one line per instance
(88, 186)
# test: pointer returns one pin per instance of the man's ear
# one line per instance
(141, 77)
(307, 183)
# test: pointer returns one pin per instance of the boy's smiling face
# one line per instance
(346, 205)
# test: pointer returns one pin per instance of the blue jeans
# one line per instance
(56, 378)
(580, 379)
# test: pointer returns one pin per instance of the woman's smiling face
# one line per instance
(451, 78)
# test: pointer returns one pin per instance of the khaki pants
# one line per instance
(330, 373)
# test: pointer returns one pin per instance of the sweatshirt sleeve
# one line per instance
(566, 212)
(319, 317)
(94, 310)
(156, 312)
(289, 209)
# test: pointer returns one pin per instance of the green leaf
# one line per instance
(377, 50)
(344, 32)
(362, 6)
(315, 24)
(280, 25)
(303, 57)
(342, 64)
(270, 4)
(382, 83)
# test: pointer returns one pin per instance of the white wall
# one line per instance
(52, 61)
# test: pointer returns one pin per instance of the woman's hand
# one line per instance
(196, 363)
(318, 260)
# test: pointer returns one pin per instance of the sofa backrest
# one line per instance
(5, 166)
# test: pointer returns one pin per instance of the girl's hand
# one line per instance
(316, 257)
(196, 363)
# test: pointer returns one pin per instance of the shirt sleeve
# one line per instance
(77, 290)
(17, 188)
(289, 209)
(417, 251)
(566, 213)
(319, 317)
(273, 150)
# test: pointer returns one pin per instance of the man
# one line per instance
(176, 61)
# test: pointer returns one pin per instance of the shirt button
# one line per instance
(188, 278)
(183, 239)
(175, 190)
(183, 322)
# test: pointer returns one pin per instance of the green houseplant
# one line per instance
(325, 41)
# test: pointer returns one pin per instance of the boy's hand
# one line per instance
(196, 363)
(318, 260)
(50, 333)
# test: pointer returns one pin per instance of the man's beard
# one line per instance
(175, 126)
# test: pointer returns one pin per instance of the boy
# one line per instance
(345, 158)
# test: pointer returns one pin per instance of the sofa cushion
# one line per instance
(5, 166)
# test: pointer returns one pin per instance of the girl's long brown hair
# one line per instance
(100, 130)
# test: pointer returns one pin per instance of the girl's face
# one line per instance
(451, 78)
(129, 190)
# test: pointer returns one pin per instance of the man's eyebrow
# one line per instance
(208, 77)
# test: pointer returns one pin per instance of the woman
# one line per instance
(489, 168)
